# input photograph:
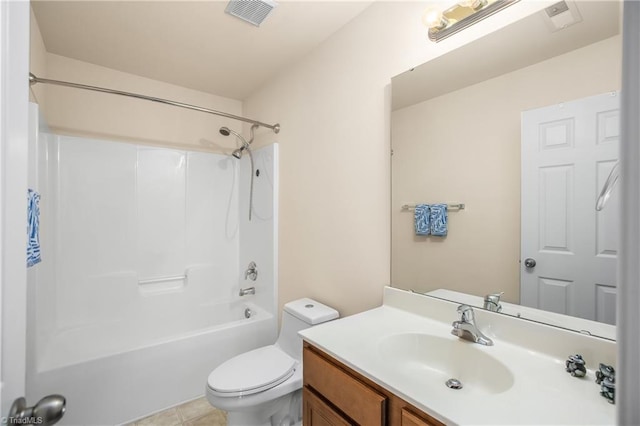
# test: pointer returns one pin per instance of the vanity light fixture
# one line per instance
(473, 4)
(460, 16)
(434, 19)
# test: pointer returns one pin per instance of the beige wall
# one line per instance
(465, 147)
(37, 60)
(334, 108)
(79, 112)
(82, 113)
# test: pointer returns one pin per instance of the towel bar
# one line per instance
(457, 206)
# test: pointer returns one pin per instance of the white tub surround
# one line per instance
(521, 379)
(144, 251)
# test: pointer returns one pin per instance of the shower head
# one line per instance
(227, 131)
(245, 145)
(238, 153)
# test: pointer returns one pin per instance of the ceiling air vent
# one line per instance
(252, 11)
(562, 15)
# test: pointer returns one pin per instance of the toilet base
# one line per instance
(237, 418)
(284, 411)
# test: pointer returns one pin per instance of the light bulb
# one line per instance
(434, 19)
(473, 4)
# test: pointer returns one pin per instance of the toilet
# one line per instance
(263, 387)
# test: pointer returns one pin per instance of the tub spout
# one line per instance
(248, 290)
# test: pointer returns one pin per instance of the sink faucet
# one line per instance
(492, 302)
(467, 329)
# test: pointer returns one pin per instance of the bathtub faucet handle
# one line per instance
(251, 272)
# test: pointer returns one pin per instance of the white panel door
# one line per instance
(568, 151)
(14, 116)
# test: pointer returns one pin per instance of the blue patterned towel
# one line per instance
(421, 219)
(33, 225)
(439, 220)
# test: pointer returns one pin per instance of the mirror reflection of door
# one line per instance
(569, 250)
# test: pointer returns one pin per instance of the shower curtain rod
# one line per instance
(33, 80)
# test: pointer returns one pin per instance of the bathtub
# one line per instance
(107, 381)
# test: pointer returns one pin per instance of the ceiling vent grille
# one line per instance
(252, 11)
(562, 15)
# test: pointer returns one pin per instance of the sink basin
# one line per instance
(433, 360)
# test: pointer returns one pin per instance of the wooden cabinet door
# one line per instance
(317, 413)
(334, 394)
(410, 419)
(357, 400)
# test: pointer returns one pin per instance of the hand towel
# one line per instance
(421, 219)
(33, 225)
(438, 219)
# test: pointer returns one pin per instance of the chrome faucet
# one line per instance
(467, 329)
(247, 291)
(492, 302)
(251, 272)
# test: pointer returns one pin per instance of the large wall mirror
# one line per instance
(520, 126)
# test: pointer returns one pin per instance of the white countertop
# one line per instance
(542, 392)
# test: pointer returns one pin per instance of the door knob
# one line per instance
(48, 411)
(529, 262)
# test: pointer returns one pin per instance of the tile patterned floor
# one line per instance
(193, 413)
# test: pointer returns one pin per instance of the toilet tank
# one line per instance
(299, 315)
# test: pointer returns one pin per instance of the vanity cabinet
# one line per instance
(318, 413)
(335, 395)
(407, 418)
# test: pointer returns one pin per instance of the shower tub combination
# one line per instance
(144, 254)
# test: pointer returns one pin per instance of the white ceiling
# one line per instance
(193, 44)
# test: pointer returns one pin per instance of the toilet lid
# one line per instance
(252, 372)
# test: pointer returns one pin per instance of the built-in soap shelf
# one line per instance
(162, 284)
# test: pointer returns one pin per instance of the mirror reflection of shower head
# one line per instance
(609, 184)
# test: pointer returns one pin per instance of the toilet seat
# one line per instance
(251, 372)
